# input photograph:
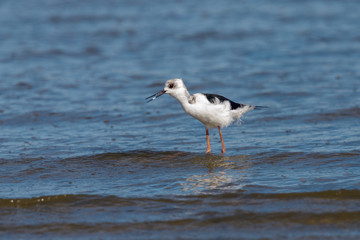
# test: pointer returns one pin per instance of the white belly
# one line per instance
(211, 115)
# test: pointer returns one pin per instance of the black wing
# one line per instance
(212, 98)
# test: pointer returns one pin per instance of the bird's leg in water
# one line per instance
(222, 142)
(208, 141)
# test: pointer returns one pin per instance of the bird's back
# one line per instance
(213, 98)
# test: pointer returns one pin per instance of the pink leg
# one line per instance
(222, 142)
(208, 141)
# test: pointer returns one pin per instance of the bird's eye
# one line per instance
(171, 85)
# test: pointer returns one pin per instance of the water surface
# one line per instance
(83, 156)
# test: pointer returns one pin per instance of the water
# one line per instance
(82, 155)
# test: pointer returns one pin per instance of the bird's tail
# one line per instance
(260, 107)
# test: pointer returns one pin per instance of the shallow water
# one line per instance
(83, 156)
(152, 195)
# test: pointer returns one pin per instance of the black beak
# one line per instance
(156, 95)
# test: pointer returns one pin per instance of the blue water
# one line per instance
(84, 156)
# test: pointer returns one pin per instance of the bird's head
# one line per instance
(172, 87)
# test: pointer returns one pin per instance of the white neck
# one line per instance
(182, 95)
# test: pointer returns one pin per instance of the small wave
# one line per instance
(58, 19)
(217, 35)
(111, 200)
(347, 113)
(54, 52)
(50, 117)
(330, 194)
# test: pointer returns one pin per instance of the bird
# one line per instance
(213, 110)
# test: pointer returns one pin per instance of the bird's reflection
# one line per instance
(222, 173)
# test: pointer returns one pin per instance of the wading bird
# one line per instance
(213, 110)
